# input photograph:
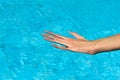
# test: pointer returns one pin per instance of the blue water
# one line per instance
(25, 55)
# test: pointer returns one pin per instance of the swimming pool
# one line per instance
(25, 55)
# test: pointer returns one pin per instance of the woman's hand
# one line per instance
(80, 44)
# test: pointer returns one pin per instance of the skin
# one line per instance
(80, 44)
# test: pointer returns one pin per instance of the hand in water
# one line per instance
(80, 44)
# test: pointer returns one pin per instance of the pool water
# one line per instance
(25, 55)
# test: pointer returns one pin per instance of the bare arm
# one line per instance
(80, 44)
(107, 44)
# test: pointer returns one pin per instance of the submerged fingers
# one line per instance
(51, 37)
(55, 35)
(54, 39)
(47, 36)
(60, 47)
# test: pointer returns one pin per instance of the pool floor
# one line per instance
(25, 55)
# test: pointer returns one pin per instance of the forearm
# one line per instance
(107, 44)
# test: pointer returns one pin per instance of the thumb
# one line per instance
(77, 35)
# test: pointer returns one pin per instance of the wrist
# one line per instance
(97, 46)
(93, 47)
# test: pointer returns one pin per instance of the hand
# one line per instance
(80, 44)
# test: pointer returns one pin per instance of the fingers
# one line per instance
(51, 38)
(47, 36)
(60, 47)
(77, 36)
(48, 39)
(55, 35)
(54, 39)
